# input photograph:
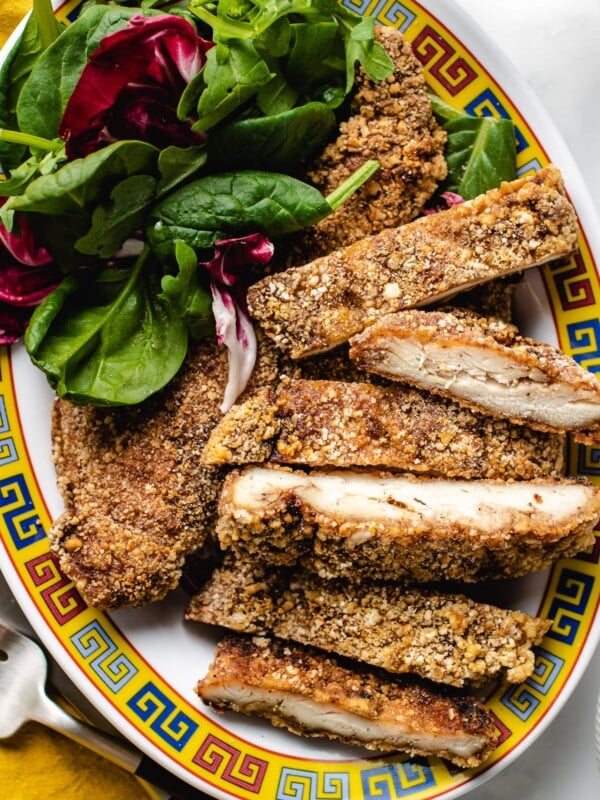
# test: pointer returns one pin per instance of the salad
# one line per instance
(153, 157)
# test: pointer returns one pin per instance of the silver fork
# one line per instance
(23, 697)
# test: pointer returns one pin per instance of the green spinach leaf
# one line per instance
(282, 142)
(480, 151)
(235, 203)
(107, 339)
(114, 221)
(187, 294)
(80, 185)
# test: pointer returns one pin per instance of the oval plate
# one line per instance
(139, 666)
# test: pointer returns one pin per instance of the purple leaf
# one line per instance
(231, 254)
(448, 199)
(22, 246)
(13, 322)
(235, 331)
(233, 323)
(21, 285)
(27, 275)
(131, 86)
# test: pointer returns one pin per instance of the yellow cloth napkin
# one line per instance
(38, 764)
(11, 13)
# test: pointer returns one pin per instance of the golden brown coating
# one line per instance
(372, 526)
(137, 500)
(492, 299)
(313, 308)
(446, 638)
(392, 122)
(312, 694)
(346, 424)
(484, 364)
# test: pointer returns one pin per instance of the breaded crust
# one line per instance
(372, 526)
(345, 424)
(392, 122)
(137, 499)
(483, 364)
(313, 694)
(446, 638)
(315, 307)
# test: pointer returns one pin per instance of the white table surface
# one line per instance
(555, 46)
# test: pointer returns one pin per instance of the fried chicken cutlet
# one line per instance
(372, 526)
(391, 121)
(356, 424)
(315, 307)
(137, 500)
(446, 638)
(486, 365)
(312, 693)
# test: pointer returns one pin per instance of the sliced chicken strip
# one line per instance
(344, 424)
(486, 365)
(378, 527)
(313, 308)
(447, 638)
(313, 694)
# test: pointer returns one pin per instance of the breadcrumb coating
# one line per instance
(315, 307)
(372, 526)
(484, 364)
(137, 499)
(346, 424)
(392, 122)
(313, 694)
(446, 638)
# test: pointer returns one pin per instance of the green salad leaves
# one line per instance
(151, 153)
(480, 152)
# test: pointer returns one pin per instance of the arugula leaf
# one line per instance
(480, 151)
(311, 46)
(231, 75)
(178, 164)
(32, 168)
(186, 293)
(57, 70)
(234, 203)
(361, 48)
(107, 338)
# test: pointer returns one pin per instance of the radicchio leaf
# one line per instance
(27, 275)
(233, 324)
(131, 86)
(22, 246)
(13, 322)
(235, 331)
(447, 200)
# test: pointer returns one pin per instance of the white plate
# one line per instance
(139, 666)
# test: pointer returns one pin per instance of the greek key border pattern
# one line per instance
(150, 704)
(96, 647)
